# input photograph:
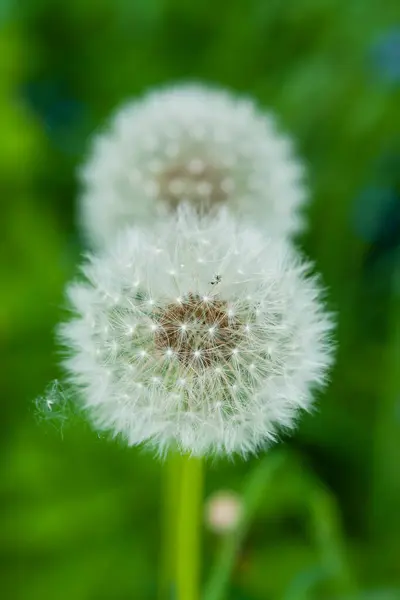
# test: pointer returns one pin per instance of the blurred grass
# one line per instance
(80, 514)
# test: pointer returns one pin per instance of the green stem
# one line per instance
(386, 473)
(256, 486)
(171, 474)
(329, 539)
(189, 529)
(278, 469)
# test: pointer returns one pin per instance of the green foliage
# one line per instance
(81, 516)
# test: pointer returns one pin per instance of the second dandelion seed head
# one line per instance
(195, 144)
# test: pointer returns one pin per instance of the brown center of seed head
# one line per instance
(196, 182)
(199, 331)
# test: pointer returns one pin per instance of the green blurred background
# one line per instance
(81, 515)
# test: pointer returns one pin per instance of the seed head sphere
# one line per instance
(199, 333)
(191, 144)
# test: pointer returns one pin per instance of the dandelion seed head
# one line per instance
(223, 511)
(196, 144)
(194, 366)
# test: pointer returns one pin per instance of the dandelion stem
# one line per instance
(386, 474)
(170, 491)
(255, 487)
(188, 529)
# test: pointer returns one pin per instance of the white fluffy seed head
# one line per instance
(223, 511)
(196, 144)
(213, 356)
